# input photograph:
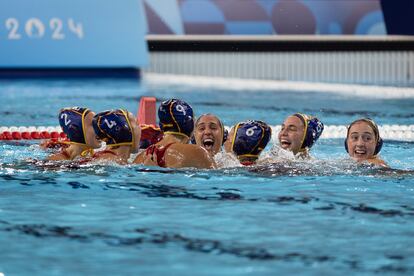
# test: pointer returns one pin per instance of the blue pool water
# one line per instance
(325, 216)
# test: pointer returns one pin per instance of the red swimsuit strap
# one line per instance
(247, 163)
(159, 152)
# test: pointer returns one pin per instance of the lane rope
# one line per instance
(31, 132)
(388, 132)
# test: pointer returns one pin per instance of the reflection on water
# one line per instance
(148, 181)
(141, 236)
(331, 214)
(327, 215)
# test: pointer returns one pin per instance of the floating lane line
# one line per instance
(388, 132)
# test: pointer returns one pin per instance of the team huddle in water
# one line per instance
(181, 141)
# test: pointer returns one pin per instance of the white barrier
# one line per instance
(279, 86)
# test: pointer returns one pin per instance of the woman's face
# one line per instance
(291, 134)
(361, 141)
(208, 133)
(90, 136)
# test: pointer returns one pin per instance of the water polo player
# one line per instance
(76, 123)
(299, 133)
(247, 140)
(209, 133)
(176, 120)
(363, 141)
(119, 130)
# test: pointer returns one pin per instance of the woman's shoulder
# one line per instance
(378, 162)
(192, 156)
(190, 149)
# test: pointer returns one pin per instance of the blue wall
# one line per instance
(75, 33)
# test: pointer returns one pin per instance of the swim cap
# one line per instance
(223, 130)
(250, 138)
(375, 129)
(313, 129)
(176, 117)
(113, 127)
(72, 120)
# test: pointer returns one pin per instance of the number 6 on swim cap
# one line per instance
(250, 138)
(176, 117)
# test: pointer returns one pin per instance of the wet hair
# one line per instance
(176, 117)
(72, 121)
(250, 138)
(313, 129)
(113, 127)
(374, 128)
(223, 130)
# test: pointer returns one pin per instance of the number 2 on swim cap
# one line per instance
(65, 117)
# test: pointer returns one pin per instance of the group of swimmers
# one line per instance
(181, 141)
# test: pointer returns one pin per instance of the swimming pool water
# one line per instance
(325, 216)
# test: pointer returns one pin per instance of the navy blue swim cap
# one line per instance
(250, 138)
(313, 129)
(176, 117)
(71, 119)
(113, 127)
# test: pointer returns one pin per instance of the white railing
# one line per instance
(380, 60)
(382, 68)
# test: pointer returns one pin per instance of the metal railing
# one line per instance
(349, 59)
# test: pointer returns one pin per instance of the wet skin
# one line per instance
(136, 132)
(75, 150)
(90, 136)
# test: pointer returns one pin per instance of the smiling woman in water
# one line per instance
(209, 133)
(363, 142)
(299, 132)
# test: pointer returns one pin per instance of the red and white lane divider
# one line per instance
(31, 133)
(146, 115)
(388, 132)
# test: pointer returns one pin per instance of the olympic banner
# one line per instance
(72, 34)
